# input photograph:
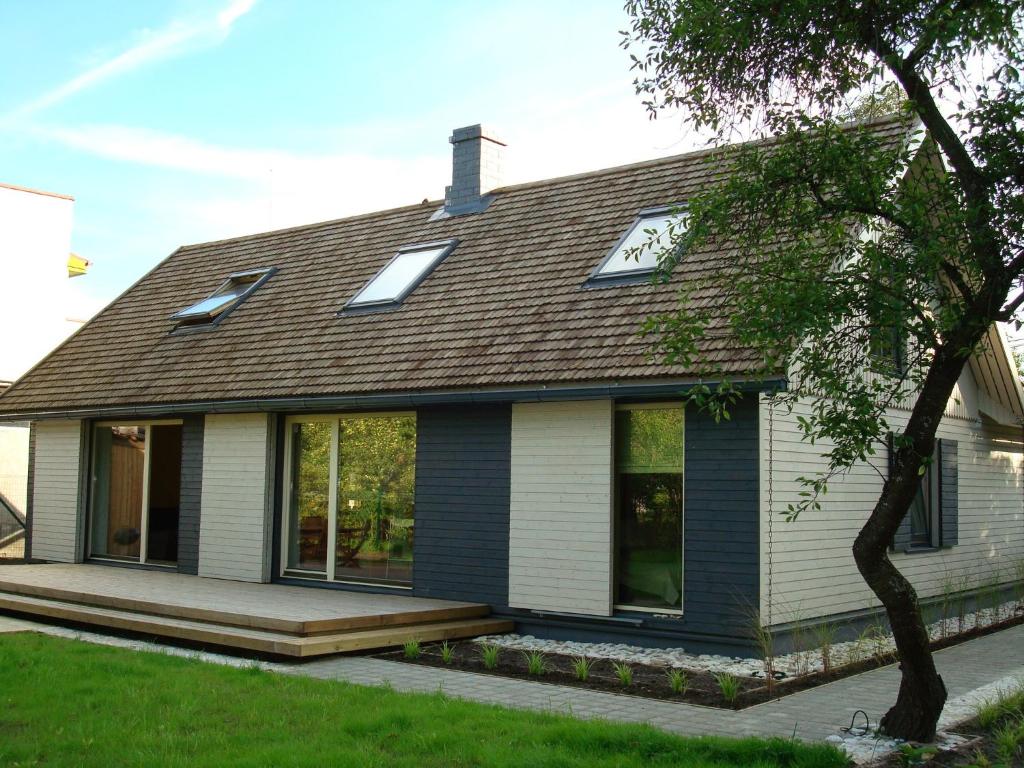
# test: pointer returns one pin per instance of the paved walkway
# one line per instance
(972, 671)
(813, 714)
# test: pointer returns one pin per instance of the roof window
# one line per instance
(637, 252)
(400, 276)
(229, 295)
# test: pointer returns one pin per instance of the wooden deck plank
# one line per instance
(248, 639)
(268, 607)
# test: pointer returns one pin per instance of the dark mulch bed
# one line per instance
(651, 681)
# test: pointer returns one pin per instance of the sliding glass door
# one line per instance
(135, 492)
(350, 499)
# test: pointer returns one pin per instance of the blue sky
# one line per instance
(190, 120)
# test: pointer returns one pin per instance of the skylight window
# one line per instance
(229, 295)
(637, 252)
(400, 276)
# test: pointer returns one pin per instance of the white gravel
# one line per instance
(865, 747)
(871, 643)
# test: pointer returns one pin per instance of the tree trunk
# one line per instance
(922, 693)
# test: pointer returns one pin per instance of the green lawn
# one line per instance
(71, 703)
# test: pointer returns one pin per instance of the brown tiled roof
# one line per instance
(507, 308)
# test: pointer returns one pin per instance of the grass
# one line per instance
(536, 664)
(1002, 718)
(489, 655)
(728, 685)
(67, 703)
(624, 672)
(411, 649)
(678, 681)
(447, 652)
(581, 667)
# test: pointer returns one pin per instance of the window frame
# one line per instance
(192, 324)
(627, 607)
(353, 307)
(144, 522)
(931, 482)
(328, 575)
(630, 276)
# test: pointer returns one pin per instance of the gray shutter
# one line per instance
(948, 488)
(901, 541)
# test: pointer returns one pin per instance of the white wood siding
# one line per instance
(812, 568)
(55, 521)
(560, 537)
(234, 531)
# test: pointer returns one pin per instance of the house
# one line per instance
(35, 266)
(451, 400)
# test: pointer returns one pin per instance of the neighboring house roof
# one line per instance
(36, 191)
(507, 308)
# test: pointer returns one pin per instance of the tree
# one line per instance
(868, 265)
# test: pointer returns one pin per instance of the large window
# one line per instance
(350, 498)
(649, 507)
(135, 492)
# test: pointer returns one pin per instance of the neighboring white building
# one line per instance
(39, 307)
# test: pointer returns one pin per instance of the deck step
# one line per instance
(252, 619)
(261, 641)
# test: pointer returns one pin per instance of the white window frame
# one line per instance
(146, 461)
(330, 573)
(674, 612)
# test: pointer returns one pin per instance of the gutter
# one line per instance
(542, 393)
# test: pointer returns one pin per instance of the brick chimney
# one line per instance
(476, 170)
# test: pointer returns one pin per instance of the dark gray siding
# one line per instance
(720, 556)
(31, 489)
(463, 469)
(949, 533)
(191, 493)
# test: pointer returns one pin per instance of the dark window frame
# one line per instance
(201, 323)
(353, 307)
(931, 488)
(631, 276)
(618, 606)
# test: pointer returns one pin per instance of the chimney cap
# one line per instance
(478, 131)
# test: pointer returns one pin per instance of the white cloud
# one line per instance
(176, 38)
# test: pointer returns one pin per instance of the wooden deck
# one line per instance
(267, 618)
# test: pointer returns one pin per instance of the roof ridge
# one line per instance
(893, 118)
(667, 160)
(315, 224)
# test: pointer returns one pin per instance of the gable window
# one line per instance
(637, 252)
(649, 507)
(400, 276)
(218, 304)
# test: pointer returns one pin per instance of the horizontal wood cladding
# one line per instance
(813, 570)
(463, 459)
(191, 493)
(233, 529)
(720, 524)
(55, 491)
(560, 532)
